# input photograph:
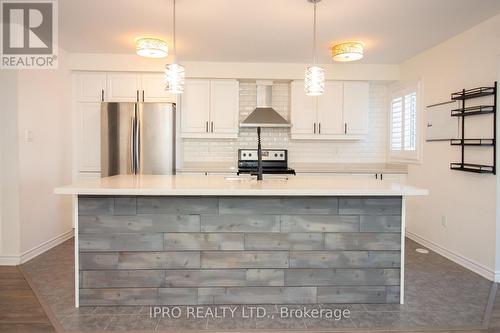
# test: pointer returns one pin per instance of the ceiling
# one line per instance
(269, 30)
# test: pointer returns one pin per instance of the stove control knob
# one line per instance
(250, 154)
(281, 155)
(275, 155)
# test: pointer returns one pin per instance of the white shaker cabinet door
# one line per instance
(356, 104)
(124, 87)
(195, 109)
(153, 89)
(224, 108)
(330, 106)
(90, 87)
(89, 137)
(303, 113)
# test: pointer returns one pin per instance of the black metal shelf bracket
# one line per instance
(474, 111)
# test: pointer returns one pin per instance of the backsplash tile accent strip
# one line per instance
(372, 149)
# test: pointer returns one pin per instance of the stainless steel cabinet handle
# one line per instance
(143, 95)
(314, 128)
(102, 95)
(137, 95)
(345, 128)
(319, 128)
(206, 126)
(212, 126)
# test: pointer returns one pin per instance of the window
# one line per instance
(404, 131)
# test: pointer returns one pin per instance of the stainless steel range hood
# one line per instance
(264, 115)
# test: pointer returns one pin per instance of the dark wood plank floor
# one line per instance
(20, 310)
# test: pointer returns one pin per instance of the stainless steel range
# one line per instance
(274, 161)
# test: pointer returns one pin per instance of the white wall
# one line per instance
(9, 172)
(468, 200)
(44, 108)
(371, 149)
(37, 219)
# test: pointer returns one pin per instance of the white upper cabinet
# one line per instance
(224, 106)
(330, 109)
(356, 104)
(209, 108)
(153, 89)
(124, 87)
(90, 87)
(341, 113)
(304, 110)
(195, 107)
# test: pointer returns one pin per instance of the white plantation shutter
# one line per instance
(397, 124)
(403, 125)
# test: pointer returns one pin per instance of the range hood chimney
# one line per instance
(264, 115)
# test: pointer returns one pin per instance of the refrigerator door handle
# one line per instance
(132, 145)
(137, 144)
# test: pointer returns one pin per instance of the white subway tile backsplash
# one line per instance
(372, 149)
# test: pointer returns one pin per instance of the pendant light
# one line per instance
(314, 82)
(174, 73)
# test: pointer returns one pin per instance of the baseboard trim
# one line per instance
(10, 260)
(45, 246)
(455, 257)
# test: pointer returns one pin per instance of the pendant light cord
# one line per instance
(173, 20)
(314, 35)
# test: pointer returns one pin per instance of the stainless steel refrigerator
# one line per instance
(137, 138)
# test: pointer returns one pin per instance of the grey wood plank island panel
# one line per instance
(257, 295)
(118, 296)
(121, 242)
(363, 241)
(125, 205)
(177, 205)
(95, 205)
(123, 278)
(139, 260)
(358, 294)
(203, 241)
(139, 223)
(370, 205)
(181, 250)
(345, 259)
(240, 223)
(342, 277)
(319, 223)
(284, 241)
(244, 259)
(370, 223)
(278, 205)
(224, 278)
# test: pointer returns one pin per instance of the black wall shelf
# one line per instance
(473, 93)
(476, 168)
(473, 142)
(474, 111)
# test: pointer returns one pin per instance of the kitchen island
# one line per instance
(186, 240)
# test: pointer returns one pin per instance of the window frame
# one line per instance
(406, 156)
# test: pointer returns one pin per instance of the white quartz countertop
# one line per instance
(232, 167)
(239, 186)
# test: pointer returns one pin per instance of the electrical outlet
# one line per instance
(29, 136)
(444, 221)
